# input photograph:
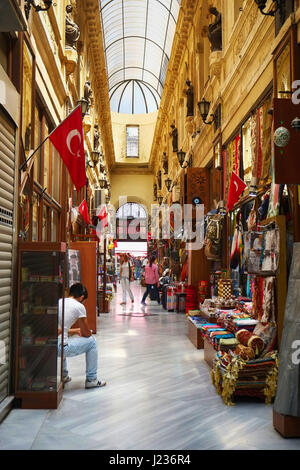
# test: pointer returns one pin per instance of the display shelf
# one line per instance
(41, 283)
(195, 335)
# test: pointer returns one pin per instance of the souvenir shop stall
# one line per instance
(106, 274)
(239, 325)
(172, 259)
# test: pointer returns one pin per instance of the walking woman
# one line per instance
(125, 277)
(151, 279)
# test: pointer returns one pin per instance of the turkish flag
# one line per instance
(67, 138)
(236, 187)
(102, 216)
(83, 209)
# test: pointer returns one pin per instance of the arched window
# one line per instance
(131, 210)
(132, 222)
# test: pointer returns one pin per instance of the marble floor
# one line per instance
(158, 396)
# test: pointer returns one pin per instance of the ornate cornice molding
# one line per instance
(183, 29)
(100, 88)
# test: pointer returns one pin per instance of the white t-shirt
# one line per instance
(73, 311)
(125, 270)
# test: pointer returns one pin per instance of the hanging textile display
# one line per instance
(236, 245)
(269, 303)
(257, 296)
(225, 176)
(237, 155)
(254, 145)
(266, 141)
(259, 142)
(261, 251)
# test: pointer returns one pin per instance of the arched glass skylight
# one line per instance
(138, 37)
(131, 210)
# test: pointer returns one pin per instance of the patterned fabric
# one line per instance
(259, 142)
(268, 305)
(266, 141)
(258, 297)
(237, 155)
(254, 145)
(233, 376)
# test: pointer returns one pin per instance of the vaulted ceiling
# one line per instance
(138, 36)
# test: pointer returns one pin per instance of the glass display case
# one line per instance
(42, 270)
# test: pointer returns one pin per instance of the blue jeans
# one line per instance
(138, 273)
(80, 345)
(125, 283)
(149, 289)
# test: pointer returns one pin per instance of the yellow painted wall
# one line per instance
(146, 123)
(137, 188)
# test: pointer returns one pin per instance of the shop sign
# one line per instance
(286, 158)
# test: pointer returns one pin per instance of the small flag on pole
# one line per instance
(236, 187)
(83, 209)
(102, 216)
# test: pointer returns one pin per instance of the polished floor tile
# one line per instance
(159, 395)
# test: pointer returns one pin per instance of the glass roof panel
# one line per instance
(138, 36)
(139, 100)
(125, 104)
(133, 74)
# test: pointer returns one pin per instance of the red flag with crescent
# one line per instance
(102, 216)
(236, 187)
(67, 138)
(83, 209)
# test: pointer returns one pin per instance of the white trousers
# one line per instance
(125, 283)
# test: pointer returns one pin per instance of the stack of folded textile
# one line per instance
(244, 323)
(230, 320)
(228, 344)
(198, 321)
(214, 334)
(233, 376)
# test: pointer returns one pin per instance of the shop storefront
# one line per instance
(9, 116)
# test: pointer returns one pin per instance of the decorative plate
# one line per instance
(281, 136)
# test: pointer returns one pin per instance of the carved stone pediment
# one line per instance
(71, 60)
(189, 124)
(215, 64)
(87, 122)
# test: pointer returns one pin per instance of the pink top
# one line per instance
(151, 274)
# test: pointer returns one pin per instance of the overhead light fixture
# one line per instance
(279, 5)
(84, 105)
(38, 8)
(168, 183)
(204, 106)
(102, 182)
(95, 157)
(181, 157)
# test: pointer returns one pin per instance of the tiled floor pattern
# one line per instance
(158, 396)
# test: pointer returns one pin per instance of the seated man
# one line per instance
(85, 343)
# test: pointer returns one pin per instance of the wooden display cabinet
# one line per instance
(88, 256)
(41, 283)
